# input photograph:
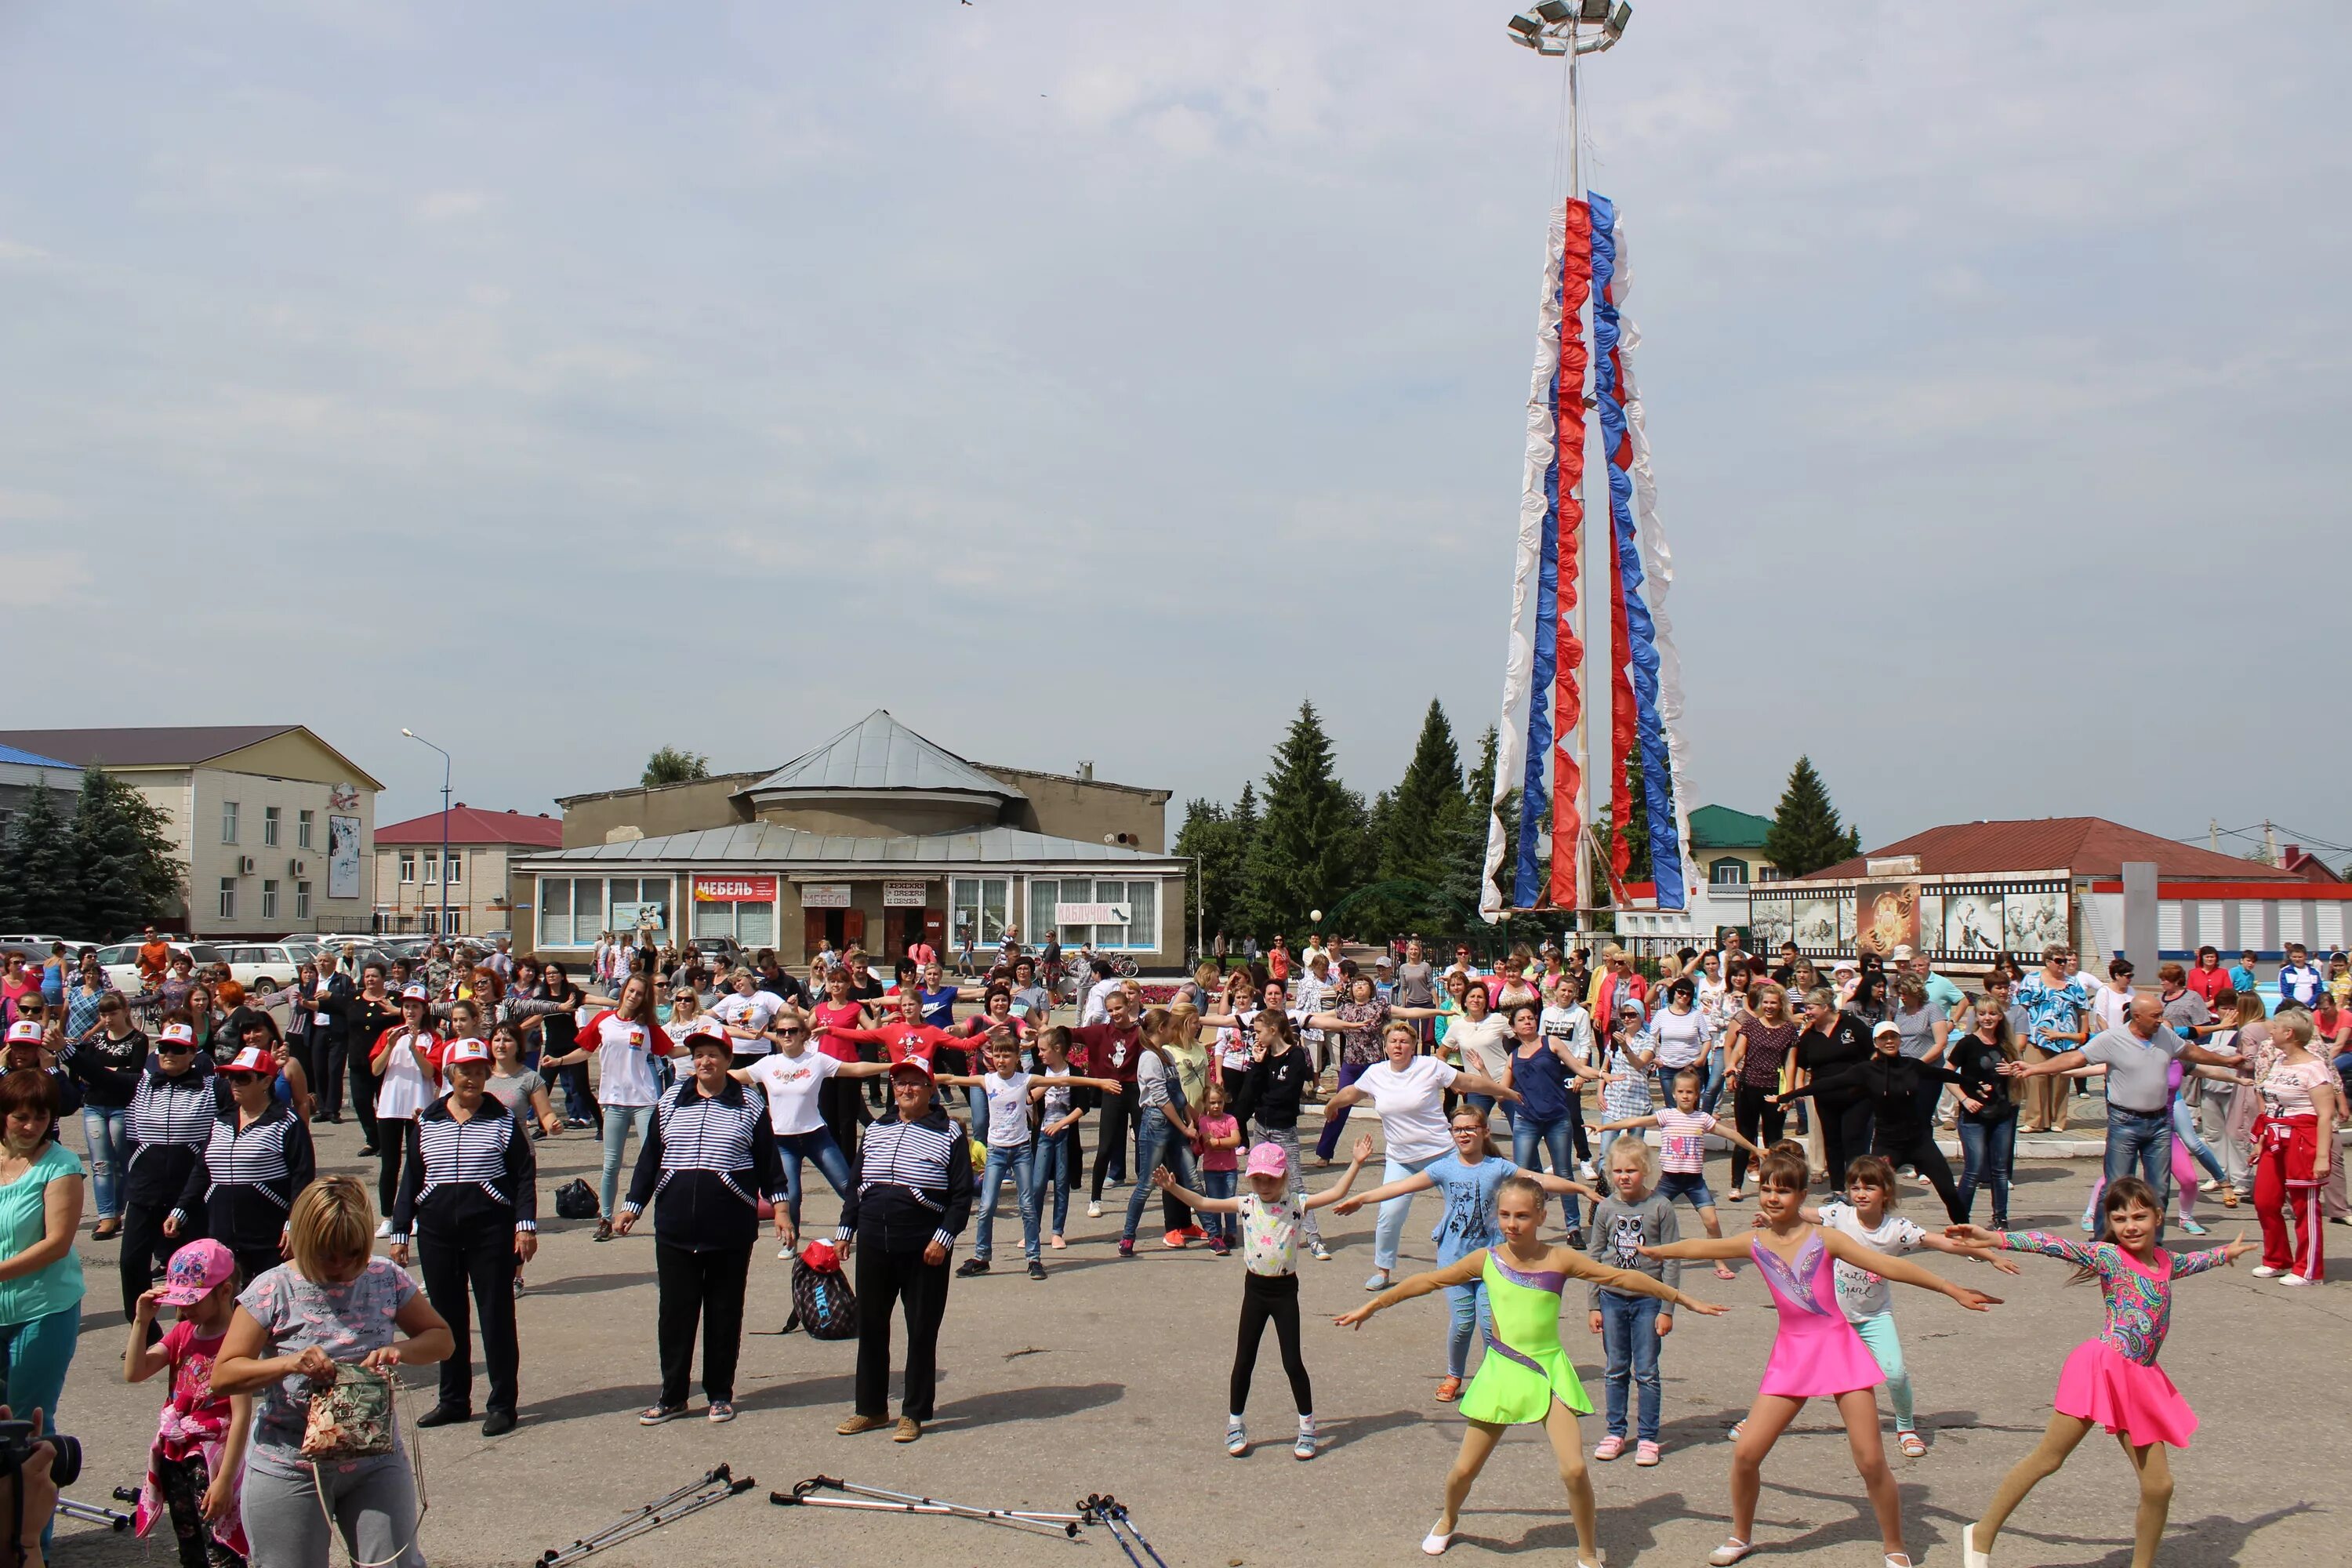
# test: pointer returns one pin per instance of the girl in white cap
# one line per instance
(1271, 1215)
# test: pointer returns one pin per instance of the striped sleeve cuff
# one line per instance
(944, 1238)
(844, 1233)
(398, 1238)
(528, 1224)
(633, 1207)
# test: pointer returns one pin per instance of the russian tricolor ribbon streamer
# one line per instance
(1635, 656)
(1658, 571)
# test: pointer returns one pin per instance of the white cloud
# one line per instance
(44, 580)
(444, 206)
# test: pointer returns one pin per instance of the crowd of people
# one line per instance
(732, 1079)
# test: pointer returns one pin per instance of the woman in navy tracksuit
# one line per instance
(258, 1156)
(711, 1157)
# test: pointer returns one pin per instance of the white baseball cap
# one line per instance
(468, 1049)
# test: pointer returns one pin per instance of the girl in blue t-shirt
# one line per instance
(1468, 1178)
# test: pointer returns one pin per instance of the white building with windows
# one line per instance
(275, 827)
(878, 837)
(462, 889)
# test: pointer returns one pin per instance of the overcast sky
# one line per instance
(1085, 381)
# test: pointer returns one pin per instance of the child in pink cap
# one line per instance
(1270, 1215)
(198, 1454)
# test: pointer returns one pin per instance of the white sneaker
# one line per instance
(2299, 1279)
(2264, 1271)
(1236, 1437)
(382, 1228)
(787, 1250)
(1970, 1557)
(1094, 1210)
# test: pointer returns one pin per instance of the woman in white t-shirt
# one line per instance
(625, 1041)
(790, 1077)
(1407, 1091)
(1479, 1041)
(1682, 1035)
(406, 1060)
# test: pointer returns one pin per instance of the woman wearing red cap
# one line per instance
(469, 1195)
(256, 1158)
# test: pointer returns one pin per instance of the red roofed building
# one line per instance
(413, 882)
(2084, 846)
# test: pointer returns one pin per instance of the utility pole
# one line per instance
(2214, 834)
(442, 924)
(2270, 842)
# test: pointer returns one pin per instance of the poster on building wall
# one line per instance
(1815, 922)
(342, 856)
(903, 895)
(1769, 926)
(2033, 918)
(645, 915)
(1887, 916)
(824, 895)
(1972, 924)
(734, 889)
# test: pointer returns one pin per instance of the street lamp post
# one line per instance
(442, 924)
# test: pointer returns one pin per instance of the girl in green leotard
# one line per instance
(1525, 1376)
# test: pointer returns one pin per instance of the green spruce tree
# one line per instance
(1210, 836)
(39, 889)
(1305, 853)
(1410, 842)
(1806, 834)
(123, 858)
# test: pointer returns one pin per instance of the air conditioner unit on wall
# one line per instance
(247, 866)
(296, 867)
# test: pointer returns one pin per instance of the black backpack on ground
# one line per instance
(824, 1306)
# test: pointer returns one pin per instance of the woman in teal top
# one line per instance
(1525, 1376)
(40, 1280)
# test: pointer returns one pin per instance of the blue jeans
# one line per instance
(618, 1121)
(1389, 1231)
(977, 1097)
(1021, 1160)
(2184, 1127)
(819, 1146)
(1157, 1143)
(2142, 1138)
(1059, 1156)
(109, 1133)
(1712, 1089)
(1987, 1157)
(1629, 1341)
(1529, 1136)
(1471, 1314)
(1219, 1184)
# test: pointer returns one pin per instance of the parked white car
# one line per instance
(121, 962)
(270, 965)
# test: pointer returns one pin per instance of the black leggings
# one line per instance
(1845, 1131)
(1915, 1147)
(696, 1288)
(1118, 1116)
(391, 1144)
(1274, 1296)
(1759, 1121)
(479, 1254)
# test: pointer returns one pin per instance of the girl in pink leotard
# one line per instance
(1817, 1354)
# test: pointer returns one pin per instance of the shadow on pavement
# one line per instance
(1041, 1403)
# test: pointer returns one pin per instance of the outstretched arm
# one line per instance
(1461, 1273)
(1420, 1182)
(1700, 1247)
(1935, 1243)
(1627, 1125)
(1338, 1189)
(1186, 1196)
(1845, 1249)
(1630, 1282)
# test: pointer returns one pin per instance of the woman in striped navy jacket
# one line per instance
(709, 1156)
(170, 1119)
(469, 1195)
(258, 1157)
(908, 1204)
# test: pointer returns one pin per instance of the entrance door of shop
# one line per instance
(902, 929)
(842, 928)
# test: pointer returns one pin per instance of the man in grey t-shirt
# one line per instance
(2138, 1061)
(1416, 983)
